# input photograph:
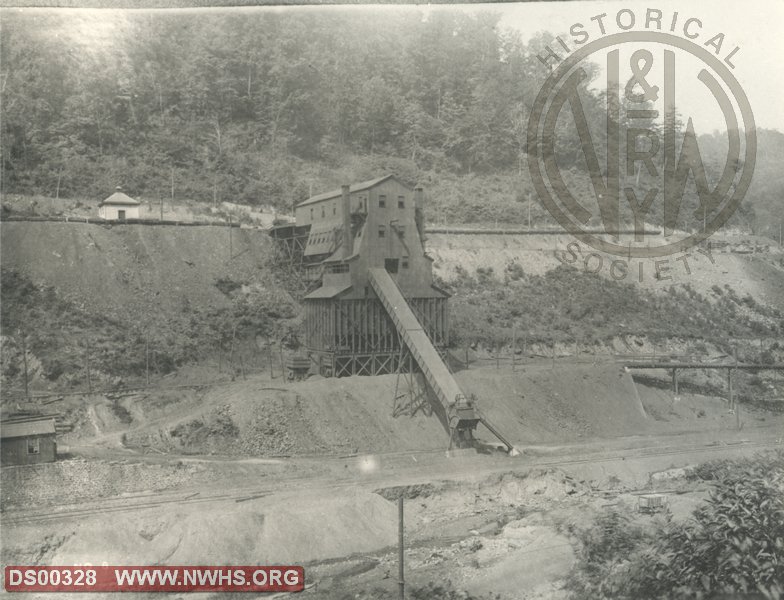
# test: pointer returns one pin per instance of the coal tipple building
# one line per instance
(373, 224)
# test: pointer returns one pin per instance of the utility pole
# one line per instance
(231, 351)
(529, 211)
(514, 346)
(147, 359)
(60, 174)
(242, 364)
(231, 251)
(729, 388)
(400, 571)
(89, 375)
(24, 359)
(172, 184)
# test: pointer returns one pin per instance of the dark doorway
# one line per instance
(121, 215)
(390, 264)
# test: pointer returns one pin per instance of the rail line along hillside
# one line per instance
(374, 308)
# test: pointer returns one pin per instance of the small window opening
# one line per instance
(390, 264)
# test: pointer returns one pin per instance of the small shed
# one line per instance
(27, 441)
(118, 207)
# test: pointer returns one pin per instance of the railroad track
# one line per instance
(290, 483)
(656, 452)
(178, 500)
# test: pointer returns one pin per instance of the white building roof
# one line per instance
(120, 199)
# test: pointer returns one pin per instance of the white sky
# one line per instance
(754, 25)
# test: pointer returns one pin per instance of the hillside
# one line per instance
(264, 108)
(122, 301)
(121, 296)
(537, 404)
(724, 294)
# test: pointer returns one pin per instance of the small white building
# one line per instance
(119, 207)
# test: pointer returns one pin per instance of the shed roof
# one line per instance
(322, 238)
(327, 291)
(27, 427)
(354, 187)
(118, 198)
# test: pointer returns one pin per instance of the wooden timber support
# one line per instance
(674, 367)
(357, 337)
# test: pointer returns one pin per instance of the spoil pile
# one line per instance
(283, 530)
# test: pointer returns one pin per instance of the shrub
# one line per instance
(515, 271)
(732, 547)
(606, 547)
(735, 544)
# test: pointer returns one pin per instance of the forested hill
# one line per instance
(263, 106)
(238, 98)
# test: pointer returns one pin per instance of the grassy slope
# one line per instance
(566, 304)
(79, 290)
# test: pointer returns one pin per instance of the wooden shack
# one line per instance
(372, 224)
(27, 441)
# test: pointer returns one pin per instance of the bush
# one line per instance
(733, 546)
(603, 567)
(515, 271)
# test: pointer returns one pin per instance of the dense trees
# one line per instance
(219, 102)
(258, 105)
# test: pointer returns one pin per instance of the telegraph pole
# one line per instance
(89, 375)
(147, 358)
(24, 358)
(400, 575)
